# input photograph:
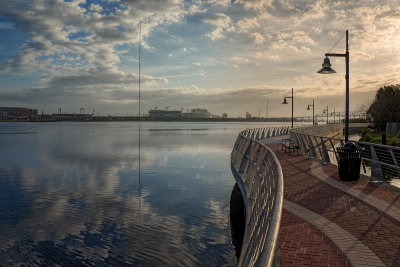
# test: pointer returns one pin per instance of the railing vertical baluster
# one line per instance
(311, 149)
(394, 161)
(376, 171)
(325, 155)
(334, 151)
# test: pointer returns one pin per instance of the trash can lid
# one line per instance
(350, 146)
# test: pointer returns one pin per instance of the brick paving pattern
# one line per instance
(302, 244)
(374, 228)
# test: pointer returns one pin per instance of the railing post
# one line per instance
(324, 152)
(317, 144)
(394, 161)
(376, 170)
(300, 141)
(311, 149)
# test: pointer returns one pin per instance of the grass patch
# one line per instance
(367, 136)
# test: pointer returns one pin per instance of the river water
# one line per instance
(70, 193)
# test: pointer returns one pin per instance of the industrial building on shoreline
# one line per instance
(16, 113)
(194, 113)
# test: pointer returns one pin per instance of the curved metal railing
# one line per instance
(319, 142)
(259, 177)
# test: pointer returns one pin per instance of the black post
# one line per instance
(334, 116)
(346, 137)
(313, 112)
(292, 107)
(327, 114)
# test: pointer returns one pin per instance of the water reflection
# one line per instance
(69, 194)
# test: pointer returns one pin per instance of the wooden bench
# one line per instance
(288, 145)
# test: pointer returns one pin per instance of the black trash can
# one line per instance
(349, 162)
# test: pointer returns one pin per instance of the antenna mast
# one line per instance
(140, 39)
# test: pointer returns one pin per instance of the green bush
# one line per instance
(367, 136)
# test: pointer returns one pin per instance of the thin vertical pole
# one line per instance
(313, 112)
(140, 43)
(140, 40)
(346, 138)
(327, 113)
(292, 107)
(334, 116)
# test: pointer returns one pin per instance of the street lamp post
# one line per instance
(308, 108)
(334, 116)
(326, 69)
(285, 102)
(327, 112)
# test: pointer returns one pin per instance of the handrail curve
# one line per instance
(259, 176)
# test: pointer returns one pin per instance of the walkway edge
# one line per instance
(356, 252)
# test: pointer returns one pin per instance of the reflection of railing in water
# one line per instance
(319, 143)
(259, 177)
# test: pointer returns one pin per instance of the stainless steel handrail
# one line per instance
(259, 177)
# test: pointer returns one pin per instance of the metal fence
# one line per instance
(260, 133)
(381, 162)
(259, 177)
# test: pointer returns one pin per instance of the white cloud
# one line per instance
(222, 23)
(95, 8)
(255, 4)
(247, 24)
(258, 38)
(239, 60)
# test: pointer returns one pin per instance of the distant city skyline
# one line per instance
(224, 56)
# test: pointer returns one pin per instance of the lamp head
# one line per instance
(326, 67)
(284, 101)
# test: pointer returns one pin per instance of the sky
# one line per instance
(226, 56)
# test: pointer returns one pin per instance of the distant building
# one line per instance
(195, 113)
(71, 117)
(224, 116)
(200, 113)
(164, 114)
(248, 115)
(12, 113)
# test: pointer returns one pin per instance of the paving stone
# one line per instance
(365, 211)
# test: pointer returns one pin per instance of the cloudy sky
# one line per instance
(226, 56)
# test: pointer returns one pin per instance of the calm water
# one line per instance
(70, 193)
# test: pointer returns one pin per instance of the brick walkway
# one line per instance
(328, 222)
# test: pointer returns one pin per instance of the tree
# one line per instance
(385, 107)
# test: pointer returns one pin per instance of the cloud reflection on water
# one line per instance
(75, 196)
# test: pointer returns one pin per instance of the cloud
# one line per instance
(255, 4)
(247, 24)
(258, 38)
(222, 23)
(239, 60)
(95, 8)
